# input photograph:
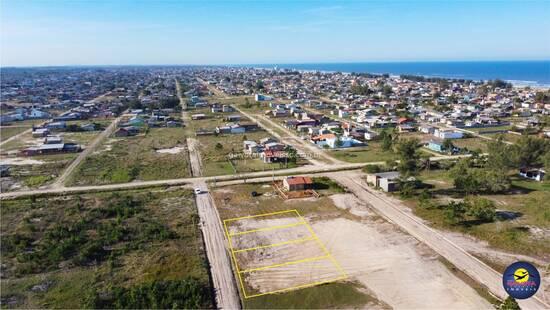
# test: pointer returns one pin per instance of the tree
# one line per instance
(291, 153)
(448, 145)
(463, 178)
(387, 140)
(247, 104)
(546, 161)
(509, 304)
(481, 208)
(408, 156)
(499, 155)
(338, 142)
(218, 146)
(454, 211)
(528, 151)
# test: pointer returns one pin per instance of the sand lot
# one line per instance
(400, 271)
(393, 266)
(279, 252)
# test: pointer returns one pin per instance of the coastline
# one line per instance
(474, 71)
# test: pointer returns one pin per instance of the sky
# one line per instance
(119, 32)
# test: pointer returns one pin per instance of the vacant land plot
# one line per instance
(130, 249)
(8, 132)
(371, 153)
(268, 248)
(472, 144)
(372, 253)
(156, 154)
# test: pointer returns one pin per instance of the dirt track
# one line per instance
(227, 296)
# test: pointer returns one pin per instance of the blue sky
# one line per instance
(80, 32)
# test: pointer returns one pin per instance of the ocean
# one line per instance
(520, 73)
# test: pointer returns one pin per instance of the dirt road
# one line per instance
(87, 151)
(227, 296)
(194, 157)
(393, 211)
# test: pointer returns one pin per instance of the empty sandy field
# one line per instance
(278, 252)
(393, 266)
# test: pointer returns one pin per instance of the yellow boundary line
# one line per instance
(323, 246)
(234, 259)
(259, 215)
(294, 262)
(312, 237)
(299, 287)
(267, 228)
(276, 244)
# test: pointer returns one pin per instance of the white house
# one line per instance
(448, 134)
(35, 113)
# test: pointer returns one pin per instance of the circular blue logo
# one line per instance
(521, 280)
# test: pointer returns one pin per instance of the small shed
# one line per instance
(297, 183)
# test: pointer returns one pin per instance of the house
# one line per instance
(251, 147)
(88, 127)
(56, 125)
(127, 131)
(297, 183)
(53, 140)
(198, 116)
(370, 135)
(427, 129)
(46, 149)
(274, 146)
(387, 181)
(532, 174)
(35, 113)
(448, 134)
(233, 118)
(232, 129)
(40, 132)
(405, 127)
(270, 156)
(227, 108)
(436, 146)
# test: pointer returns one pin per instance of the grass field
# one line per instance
(371, 153)
(525, 233)
(129, 249)
(472, 144)
(8, 132)
(126, 159)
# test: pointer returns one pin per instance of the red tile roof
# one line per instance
(298, 180)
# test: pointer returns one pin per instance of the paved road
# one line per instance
(87, 151)
(394, 211)
(227, 295)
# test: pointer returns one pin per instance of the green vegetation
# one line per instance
(37, 180)
(327, 186)
(326, 296)
(371, 153)
(108, 250)
(8, 132)
(508, 222)
(182, 294)
(135, 158)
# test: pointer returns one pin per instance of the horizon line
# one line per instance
(270, 63)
